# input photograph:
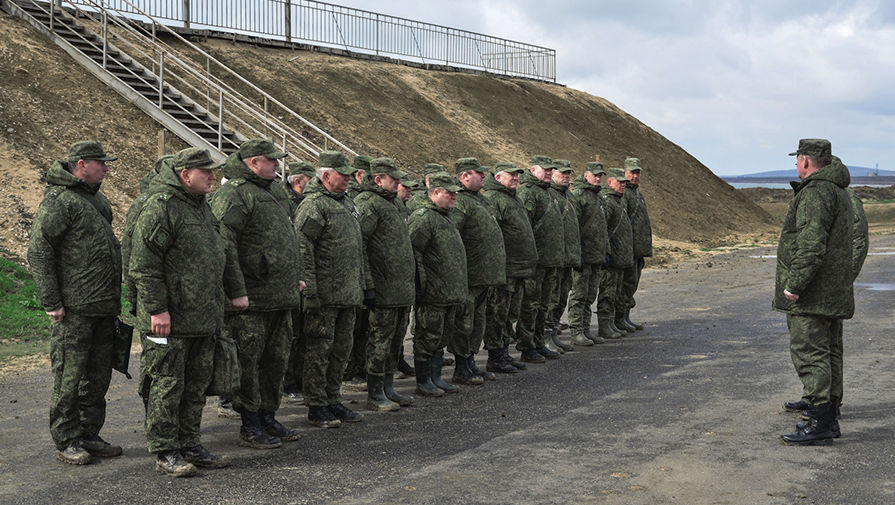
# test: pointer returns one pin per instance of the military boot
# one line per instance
(533, 356)
(547, 353)
(321, 417)
(74, 454)
(376, 399)
(252, 434)
(622, 324)
(564, 347)
(615, 328)
(498, 363)
(405, 368)
(203, 458)
(225, 408)
(582, 340)
(796, 406)
(817, 431)
(275, 429)
(388, 387)
(172, 464)
(463, 375)
(549, 342)
(487, 375)
(606, 330)
(99, 448)
(435, 365)
(637, 326)
(424, 384)
(834, 427)
(509, 359)
(596, 339)
(344, 414)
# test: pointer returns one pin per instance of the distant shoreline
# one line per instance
(739, 182)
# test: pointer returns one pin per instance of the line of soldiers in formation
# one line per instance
(298, 273)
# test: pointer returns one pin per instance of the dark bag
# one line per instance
(121, 347)
(225, 378)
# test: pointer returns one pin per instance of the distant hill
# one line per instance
(855, 171)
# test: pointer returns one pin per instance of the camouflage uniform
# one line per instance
(594, 245)
(76, 263)
(177, 265)
(621, 255)
(420, 196)
(355, 367)
(642, 237)
(565, 200)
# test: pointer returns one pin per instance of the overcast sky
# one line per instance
(736, 84)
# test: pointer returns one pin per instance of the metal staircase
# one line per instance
(170, 84)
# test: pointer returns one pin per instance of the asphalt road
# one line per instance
(687, 411)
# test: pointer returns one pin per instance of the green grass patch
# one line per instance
(24, 326)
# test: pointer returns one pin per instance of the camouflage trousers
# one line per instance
(469, 328)
(610, 289)
(630, 282)
(328, 337)
(179, 373)
(292, 377)
(81, 357)
(432, 327)
(503, 312)
(560, 296)
(533, 311)
(357, 362)
(262, 346)
(386, 339)
(585, 286)
(815, 346)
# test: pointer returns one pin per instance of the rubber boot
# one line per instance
(549, 343)
(376, 399)
(606, 330)
(487, 375)
(424, 384)
(554, 337)
(582, 340)
(435, 365)
(388, 387)
(518, 365)
(818, 430)
(621, 324)
(252, 434)
(637, 326)
(497, 362)
(596, 339)
(615, 328)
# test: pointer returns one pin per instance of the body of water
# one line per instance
(782, 185)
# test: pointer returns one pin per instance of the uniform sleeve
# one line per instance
(814, 218)
(369, 222)
(420, 235)
(309, 226)
(49, 228)
(152, 238)
(233, 216)
(860, 244)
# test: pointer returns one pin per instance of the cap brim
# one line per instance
(794, 154)
(346, 170)
(102, 158)
(276, 155)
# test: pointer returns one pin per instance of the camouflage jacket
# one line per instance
(641, 228)
(518, 239)
(545, 218)
(418, 199)
(591, 222)
(482, 239)
(814, 255)
(354, 188)
(402, 209)
(618, 227)
(440, 256)
(262, 249)
(860, 245)
(386, 245)
(73, 253)
(571, 233)
(295, 198)
(177, 261)
(332, 248)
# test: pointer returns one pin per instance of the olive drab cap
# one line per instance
(444, 181)
(816, 148)
(362, 162)
(545, 162)
(193, 157)
(563, 165)
(403, 177)
(433, 168)
(633, 164)
(506, 166)
(464, 164)
(259, 147)
(411, 183)
(335, 160)
(618, 173)
(595, 167)
(385, 166)
(88, 150)
(300, 168)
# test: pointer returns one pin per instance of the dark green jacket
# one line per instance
(74, 256)
(641, 228)
(518, 239)
(440, 256)
(295, 198)
(860, 245)
(178, 259)
(482, 239)
(332, 249)
(591, 222)
(418, 199)
(262, 249)
(387, 245)
(130, 220)
(814, 255)
(354, 188)
(571, 234)
(402, 209)
(618, 227)
(545, 218)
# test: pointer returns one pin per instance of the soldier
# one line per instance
(620, 256)
(594, 244)
(76, 263)
(505, 301)
(406, 187)
(559, 190)
(389, 255)
(815, 271)
(177, 265)
(420, 196)
(485, 269)
(298, 174)
(263, 254)
(361, 165)
(642, 234)
(332, 258)
(545, 217)
(441, 282)
(355, 376)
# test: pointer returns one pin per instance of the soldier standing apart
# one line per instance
(813, 286)
(389, 256)
(545, 217)
(263, 254)
(594, 245)
(559, 190)
(621, 255)
(440, 284)
(642, 245)
(485, 269)
(332, 258)
(505, 301)
(76, 263)
(177, 264)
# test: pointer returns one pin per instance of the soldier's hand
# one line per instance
(301, 286)
(790, 296)
(311, 304)
(240, 303)
(57, 315)
(370, 299)
(161, 324)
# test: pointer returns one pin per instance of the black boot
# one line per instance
(637, 326)
(818, 430)
(487, 375)
(252, 434)
(497, 362)
(388, 387)
(405, 368)
(622, 324)
(321, 417)
(344, 414)
(463, 375)
(547, 353)
(509, 359)
(435, 365)
(275, 429)
(424, 384)
(796, 406)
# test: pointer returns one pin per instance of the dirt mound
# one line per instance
(412, 115)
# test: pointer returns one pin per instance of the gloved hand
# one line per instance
(311, 304)
(370, 299)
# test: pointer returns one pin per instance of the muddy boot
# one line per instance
(637, 326)
(582, 340)
(376, 399)
(99, 448)
(74, 454)
(252, 434)
(388, 387)
(509, 359)
(817, 431)
(424, 384)
(622, 324)
(344, 414)
(463, 375)
(435, 365)
(275, 429)
(487, 375)
(497, 362)
(172, 464)
(321, 417)
(225, 408)
(203, 458)
(606, 330)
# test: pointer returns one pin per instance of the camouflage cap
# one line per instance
(193, 157)
(88, 150)
(544, 162)
(335, 160)
(618, 173)
(385, 166)
(300, 168)
(595, 167)
(444, 181)
(259, 147)
(412, 183)
(563, 165)
(432, 168)
(506, 166)
(464, 164)
(816, 148)
(362, 162)
(633, 164)
(403, 177)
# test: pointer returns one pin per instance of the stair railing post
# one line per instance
(105, 37)
(288, 20)
(161, 80)
(221, 120)
(186, 13)
(52, 14)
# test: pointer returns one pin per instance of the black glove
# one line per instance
(579, 268)
(420, 295)
(370, 298)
